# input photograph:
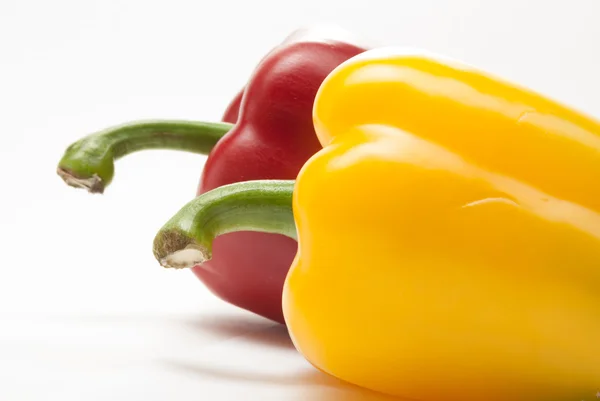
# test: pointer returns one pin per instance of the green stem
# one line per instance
(261, 205)
(89, 162)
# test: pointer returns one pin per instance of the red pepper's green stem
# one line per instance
(89, 162)
(261, 205)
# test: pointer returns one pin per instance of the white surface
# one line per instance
(86, 313)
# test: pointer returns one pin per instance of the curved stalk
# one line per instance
(89, 162)
(262, 205)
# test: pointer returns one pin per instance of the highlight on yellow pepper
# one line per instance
(448, 231)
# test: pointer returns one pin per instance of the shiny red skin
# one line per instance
(272, 139)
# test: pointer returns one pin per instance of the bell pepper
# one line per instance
(272, 138)
(448, 231)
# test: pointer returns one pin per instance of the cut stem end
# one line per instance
(174, 249)
(92, 184)
(186, 258)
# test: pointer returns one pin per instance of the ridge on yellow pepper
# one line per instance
(448, 231)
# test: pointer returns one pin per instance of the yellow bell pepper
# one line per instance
(448, 231)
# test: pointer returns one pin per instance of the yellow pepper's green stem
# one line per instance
(261, 205)
(89, 162)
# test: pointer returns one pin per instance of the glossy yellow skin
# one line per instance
(449, 236)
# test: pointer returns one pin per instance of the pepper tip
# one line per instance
(92, 184)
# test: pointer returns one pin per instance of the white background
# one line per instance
(86, 313)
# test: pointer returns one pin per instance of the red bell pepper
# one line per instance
(267, 133)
